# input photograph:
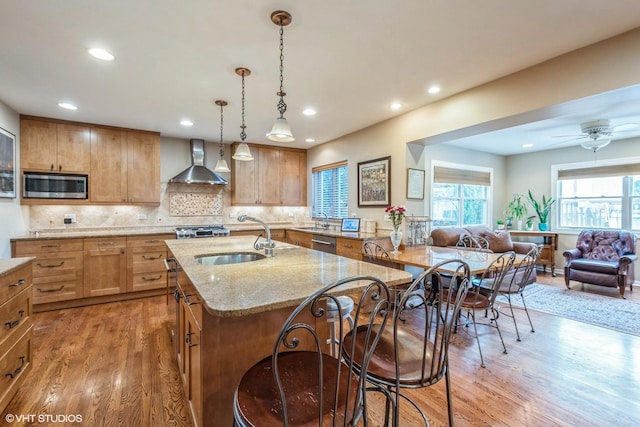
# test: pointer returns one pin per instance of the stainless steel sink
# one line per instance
(229, 258)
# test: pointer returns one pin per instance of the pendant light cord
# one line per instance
(221, 127)
(243, 134)
(282, 106)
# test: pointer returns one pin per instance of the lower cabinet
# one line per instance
(145, 262)
(105, 266)
(16, 331)
(58, 270)
(189, 344)
(299, 238)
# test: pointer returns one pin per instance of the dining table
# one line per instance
(427, 256)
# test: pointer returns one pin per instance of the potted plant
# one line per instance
(542, 209)
(529, 223)
(500, 224)
(517, 209)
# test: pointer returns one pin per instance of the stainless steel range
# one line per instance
(201, 231)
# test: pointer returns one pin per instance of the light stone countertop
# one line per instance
(9, 265)
(284, 280)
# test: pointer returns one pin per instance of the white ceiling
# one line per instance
(347, 59)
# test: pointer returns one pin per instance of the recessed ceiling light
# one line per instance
(395, 106)
(186, 122)
(309, 112)
(101, 54)
(309, 140)
(527, 145)
(434, 89)
(67, 105)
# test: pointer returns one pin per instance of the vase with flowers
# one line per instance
(396, 214)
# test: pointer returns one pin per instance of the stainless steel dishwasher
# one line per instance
(324, 243)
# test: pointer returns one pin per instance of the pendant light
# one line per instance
(242, 151)
(281, 132)
(221, 166)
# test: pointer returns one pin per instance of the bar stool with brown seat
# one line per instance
(300, 384)
(413, 352)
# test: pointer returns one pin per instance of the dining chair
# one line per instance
(482, 296)
(473, 242)
(516, 284)
(300, 383)
(413, 352)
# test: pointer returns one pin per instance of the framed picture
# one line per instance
(350, 224)
(7, 164)
(415, 183)
(374, 186)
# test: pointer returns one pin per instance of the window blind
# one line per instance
(444, 175)
(330, 190)
(600, 171)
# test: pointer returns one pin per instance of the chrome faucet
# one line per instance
(326, 221)
(268, 246)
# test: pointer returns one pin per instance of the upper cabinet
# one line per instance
(275, 177)
(54, 147)
(125, 167)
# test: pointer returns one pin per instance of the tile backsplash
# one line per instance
(181, 204)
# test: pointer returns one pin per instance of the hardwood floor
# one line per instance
(113, 365)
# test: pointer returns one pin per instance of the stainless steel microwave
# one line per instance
(54, 186)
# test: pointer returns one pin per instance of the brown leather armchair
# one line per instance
(602, 257)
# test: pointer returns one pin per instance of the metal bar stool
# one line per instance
(346, 307)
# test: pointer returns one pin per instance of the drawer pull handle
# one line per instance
(49, 246)
(188, 340)
(348, 246)
(177, 295)
(106, 243)
(15, 322)
(171, 269)
(51, 290)
(188, 300)
(152, 241)
(151, 279)
(51, 265)
(148, 258)
(18, 283)
(17, 370)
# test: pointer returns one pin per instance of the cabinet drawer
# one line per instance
(148, 261)
(13, 283)
(191, 297)
(153, 242)
(15, 364)
(349, 248)
(105, 243)
(53, 290)
(58, 266)
(36, 247)
(150, 280)
(13, 314)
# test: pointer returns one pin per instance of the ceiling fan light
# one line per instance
(595, 144)
(243, 153)
(281, 132)
(222, 166)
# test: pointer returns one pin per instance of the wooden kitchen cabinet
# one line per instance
(189, 345)
(16, 332)
(299, 238)
(275, 177)
(47, 146)
(145, 262)
(125, 167)
(58, 269)
(105, 266)
(350, 248)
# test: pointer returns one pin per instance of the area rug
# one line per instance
(613, 313)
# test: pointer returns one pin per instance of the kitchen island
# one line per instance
(228, 316)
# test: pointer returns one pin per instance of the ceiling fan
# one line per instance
(599, 133)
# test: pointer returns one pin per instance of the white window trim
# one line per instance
(555, 169)
(441, 163)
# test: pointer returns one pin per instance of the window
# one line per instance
(330, 191)
(599, 196)
(460, 195)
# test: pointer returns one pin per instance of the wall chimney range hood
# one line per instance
(198, 173)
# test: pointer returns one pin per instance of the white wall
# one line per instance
(13, 217)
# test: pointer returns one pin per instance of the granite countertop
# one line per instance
(9, 265)
(271, 283)
(337, 233)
